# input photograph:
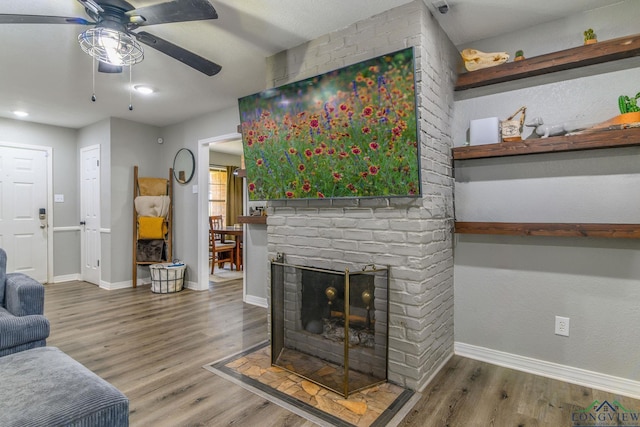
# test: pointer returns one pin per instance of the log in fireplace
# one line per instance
(330, 327)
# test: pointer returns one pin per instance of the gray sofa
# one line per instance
(22, 324)
(41, 386)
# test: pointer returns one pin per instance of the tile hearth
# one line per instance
(373, 406)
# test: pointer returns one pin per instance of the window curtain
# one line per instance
(234, 196)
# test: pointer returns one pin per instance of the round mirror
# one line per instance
(184, 165)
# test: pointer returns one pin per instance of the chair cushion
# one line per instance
(225, 246)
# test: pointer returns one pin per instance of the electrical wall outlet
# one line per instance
(562, 326)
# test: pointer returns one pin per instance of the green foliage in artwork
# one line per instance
(349, 133)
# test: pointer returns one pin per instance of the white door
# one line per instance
(23, 210)
(90, 213)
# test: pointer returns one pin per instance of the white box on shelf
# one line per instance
(484, 131)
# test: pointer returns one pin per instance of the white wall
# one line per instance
(186, 135)
(131, 144)
(508, 290)
(223, 159)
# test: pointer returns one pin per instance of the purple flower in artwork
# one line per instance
(288, 159)
(264, 159)
(327, 115)
(355, 90)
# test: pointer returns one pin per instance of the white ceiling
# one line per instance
(44, 71)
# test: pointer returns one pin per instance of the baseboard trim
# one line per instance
(66, 278)
(195, 286)
(436, 372)
(253, 300)
(117, 285)
(551, 370)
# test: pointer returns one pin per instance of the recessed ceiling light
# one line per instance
(146, 90)
(20, 113)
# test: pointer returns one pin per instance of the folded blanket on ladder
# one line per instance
(152, 186)
(152, 205)
(151, 227)
(150, 250)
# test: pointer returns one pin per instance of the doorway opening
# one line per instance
(217, 159)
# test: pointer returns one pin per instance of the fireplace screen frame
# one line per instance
(357, 303)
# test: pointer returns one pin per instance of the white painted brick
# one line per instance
(300, 221)
(357, 258)
(388, 259)
(348, 245)
(332, 233)
(388, 213)
(412, 235)
(330, 253)
(373, 203)
(360, 235)
(373, 247)
(389, 236)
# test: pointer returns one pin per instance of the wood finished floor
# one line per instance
(153, 346)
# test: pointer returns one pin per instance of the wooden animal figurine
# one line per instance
(476, 60)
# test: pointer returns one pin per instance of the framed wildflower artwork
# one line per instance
(348, 133)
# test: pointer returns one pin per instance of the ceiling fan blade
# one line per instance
(173, 11)
(189, 58)
(41, 19)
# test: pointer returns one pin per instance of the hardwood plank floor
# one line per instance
(470, 393)
(153, 346)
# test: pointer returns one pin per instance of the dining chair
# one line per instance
(220, 253)
(217, 222)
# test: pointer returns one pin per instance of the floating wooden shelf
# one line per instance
(253, 219)
(584, 141)
(617, 231)
(603, 51)
(582, 56)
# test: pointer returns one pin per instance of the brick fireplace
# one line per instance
(413, 236)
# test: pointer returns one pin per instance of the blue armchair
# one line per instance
(22, 324)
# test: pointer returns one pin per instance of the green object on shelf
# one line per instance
(589, 34)
(627, 104)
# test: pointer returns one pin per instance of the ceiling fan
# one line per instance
(112, 37)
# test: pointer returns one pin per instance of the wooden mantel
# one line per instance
(252, 219)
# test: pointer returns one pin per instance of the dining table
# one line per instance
(238, 233)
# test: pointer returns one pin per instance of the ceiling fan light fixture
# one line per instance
(111, 46)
